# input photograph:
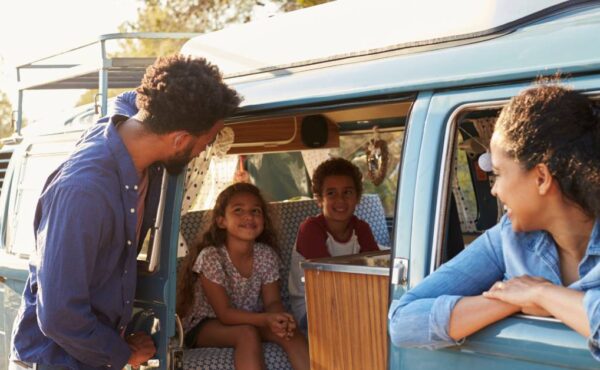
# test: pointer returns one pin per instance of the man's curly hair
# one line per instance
(184, 93)
(336, 167)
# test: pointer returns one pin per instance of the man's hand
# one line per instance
(142, 348)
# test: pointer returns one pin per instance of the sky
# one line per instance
(31, 29)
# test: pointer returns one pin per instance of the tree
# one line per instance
(186, 16)
(6, 116)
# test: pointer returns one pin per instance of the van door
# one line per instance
(31, 163)
(422, 231)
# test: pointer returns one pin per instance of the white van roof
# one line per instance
(347, 28)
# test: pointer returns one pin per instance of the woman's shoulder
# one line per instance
(502, 235)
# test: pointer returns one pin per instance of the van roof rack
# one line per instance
(89, 66)
(347, 30)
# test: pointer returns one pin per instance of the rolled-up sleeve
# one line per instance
(68, 238)
(591, 303)
(421, 317)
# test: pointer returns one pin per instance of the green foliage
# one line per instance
(185, 16)
(6, 117)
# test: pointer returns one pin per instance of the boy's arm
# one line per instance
(311, 240)
(365, 237)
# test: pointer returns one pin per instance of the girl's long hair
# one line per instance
(216, 236)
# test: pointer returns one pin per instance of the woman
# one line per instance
(543, 257)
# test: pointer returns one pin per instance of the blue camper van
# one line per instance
(407, 91)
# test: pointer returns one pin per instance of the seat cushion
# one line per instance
(222, 358)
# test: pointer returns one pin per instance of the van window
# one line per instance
(39, 161)
(353, 147)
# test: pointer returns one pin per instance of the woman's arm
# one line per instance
(425, 316)
(528, 292)
(471, 314)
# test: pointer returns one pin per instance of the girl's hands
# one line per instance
(522, 291)
(281, 324)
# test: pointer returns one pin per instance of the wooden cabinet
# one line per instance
(347, 319)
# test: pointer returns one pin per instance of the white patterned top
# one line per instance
(244, 293)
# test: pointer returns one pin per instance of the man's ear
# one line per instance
(179, 139)
(543, 178)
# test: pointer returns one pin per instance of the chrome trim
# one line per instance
(444, 182)
(400, 271)
(353, 264)
(157, 229)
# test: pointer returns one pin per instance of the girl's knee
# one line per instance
(247, 335)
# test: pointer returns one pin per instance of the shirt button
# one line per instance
(121, 327)
(132, 210)
(126, 187)
(135, 187)
(108, 366)
(129, 242)
(128, 302)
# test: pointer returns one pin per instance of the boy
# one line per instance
(337, 187)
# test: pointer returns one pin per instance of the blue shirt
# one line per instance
(420, 318)
(79, 294)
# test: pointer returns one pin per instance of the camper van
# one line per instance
(409, 92)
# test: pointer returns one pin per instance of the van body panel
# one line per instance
(522, 55)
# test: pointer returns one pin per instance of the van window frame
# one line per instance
(14, 196)
(443, 198)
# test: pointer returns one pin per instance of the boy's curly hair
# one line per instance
(184, 93)
(336, 167)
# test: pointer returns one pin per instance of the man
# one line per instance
(94, 208)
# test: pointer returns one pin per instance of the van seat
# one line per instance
(222, 358)
(286, 217)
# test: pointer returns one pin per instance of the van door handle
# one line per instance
(400, 271)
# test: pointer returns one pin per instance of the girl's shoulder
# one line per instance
(265, 251)
(209, 255)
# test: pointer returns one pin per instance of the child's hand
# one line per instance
(279, 322)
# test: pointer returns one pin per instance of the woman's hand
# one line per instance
(522, 291)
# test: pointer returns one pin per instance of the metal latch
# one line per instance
(400, 271)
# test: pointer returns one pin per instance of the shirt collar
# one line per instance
(127, 172)
(594, 244)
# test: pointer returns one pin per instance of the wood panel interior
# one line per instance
(276, 135)
(282, 134)
(347, 320)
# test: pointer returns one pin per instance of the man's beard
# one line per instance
(176, 164)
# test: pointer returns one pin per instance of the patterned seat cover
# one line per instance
(287, 217)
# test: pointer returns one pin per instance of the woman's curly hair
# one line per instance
(184, 93)
(217, 236)
(336, 167)
(559, 127)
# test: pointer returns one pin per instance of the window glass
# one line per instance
(353, 147)
(39, 162)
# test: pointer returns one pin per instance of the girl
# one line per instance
(543, 258)
(229, 291)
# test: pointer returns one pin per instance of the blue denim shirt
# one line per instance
(79, 294)
(420, 318)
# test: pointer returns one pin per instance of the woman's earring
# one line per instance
(485, 162)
